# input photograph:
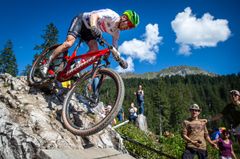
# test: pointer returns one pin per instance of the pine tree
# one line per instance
(8, 62)
(50, 37)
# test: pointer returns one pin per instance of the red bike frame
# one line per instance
(87, 60)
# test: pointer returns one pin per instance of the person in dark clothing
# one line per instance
(231, 113)
(120, 115)
(140, 99)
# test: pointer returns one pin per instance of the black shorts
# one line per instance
(79, 30)
(189, 153)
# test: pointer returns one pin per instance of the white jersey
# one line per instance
(106, 22)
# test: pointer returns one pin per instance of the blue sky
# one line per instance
(201, 33)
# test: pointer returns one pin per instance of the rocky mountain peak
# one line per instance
(170, 71)
(183, 71)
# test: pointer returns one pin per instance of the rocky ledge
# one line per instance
(30, 122)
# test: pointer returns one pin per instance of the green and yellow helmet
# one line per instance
(132, 16)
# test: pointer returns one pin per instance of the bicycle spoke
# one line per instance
(36, 76)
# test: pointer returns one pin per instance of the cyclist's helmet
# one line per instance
(132, 16)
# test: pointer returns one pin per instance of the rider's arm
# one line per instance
(115, 38)
(93, 20)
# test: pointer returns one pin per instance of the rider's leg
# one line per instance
(93, 45)
(64, 47)
(60, 49)
(73, 32)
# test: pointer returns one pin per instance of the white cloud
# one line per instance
(146, 49)
(185, 50)
(130, 66)
(195, 32)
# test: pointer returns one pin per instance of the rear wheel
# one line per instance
(35, 77)
(92, 104)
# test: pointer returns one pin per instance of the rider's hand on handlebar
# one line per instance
(97, 33)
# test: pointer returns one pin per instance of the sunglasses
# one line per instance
(194, 110)
(127, 23)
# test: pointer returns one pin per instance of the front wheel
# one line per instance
(92, 103)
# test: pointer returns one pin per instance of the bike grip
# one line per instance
(123, 64)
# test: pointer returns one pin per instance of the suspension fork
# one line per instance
(96, 79)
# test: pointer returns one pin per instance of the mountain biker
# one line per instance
(89, 25)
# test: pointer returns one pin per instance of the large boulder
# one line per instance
(142, 122)
(30, 121)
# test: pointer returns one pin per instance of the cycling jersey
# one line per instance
(106, 22)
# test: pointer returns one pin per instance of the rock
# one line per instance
(142, 122)
(30, 122)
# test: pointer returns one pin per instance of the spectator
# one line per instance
(140, 99)
(196, 134)
(217, 132)
(225, 146)
(120, 115)
(231, 113)
(168, 134)
(107, 111)
(132, 113)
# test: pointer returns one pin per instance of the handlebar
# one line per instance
(116, 54)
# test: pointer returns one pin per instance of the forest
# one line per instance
(169, 98)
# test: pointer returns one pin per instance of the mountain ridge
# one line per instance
(181, 70)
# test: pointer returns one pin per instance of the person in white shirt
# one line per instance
(89, 26)
(132, 113)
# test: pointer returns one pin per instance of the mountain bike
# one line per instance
(96, 96)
